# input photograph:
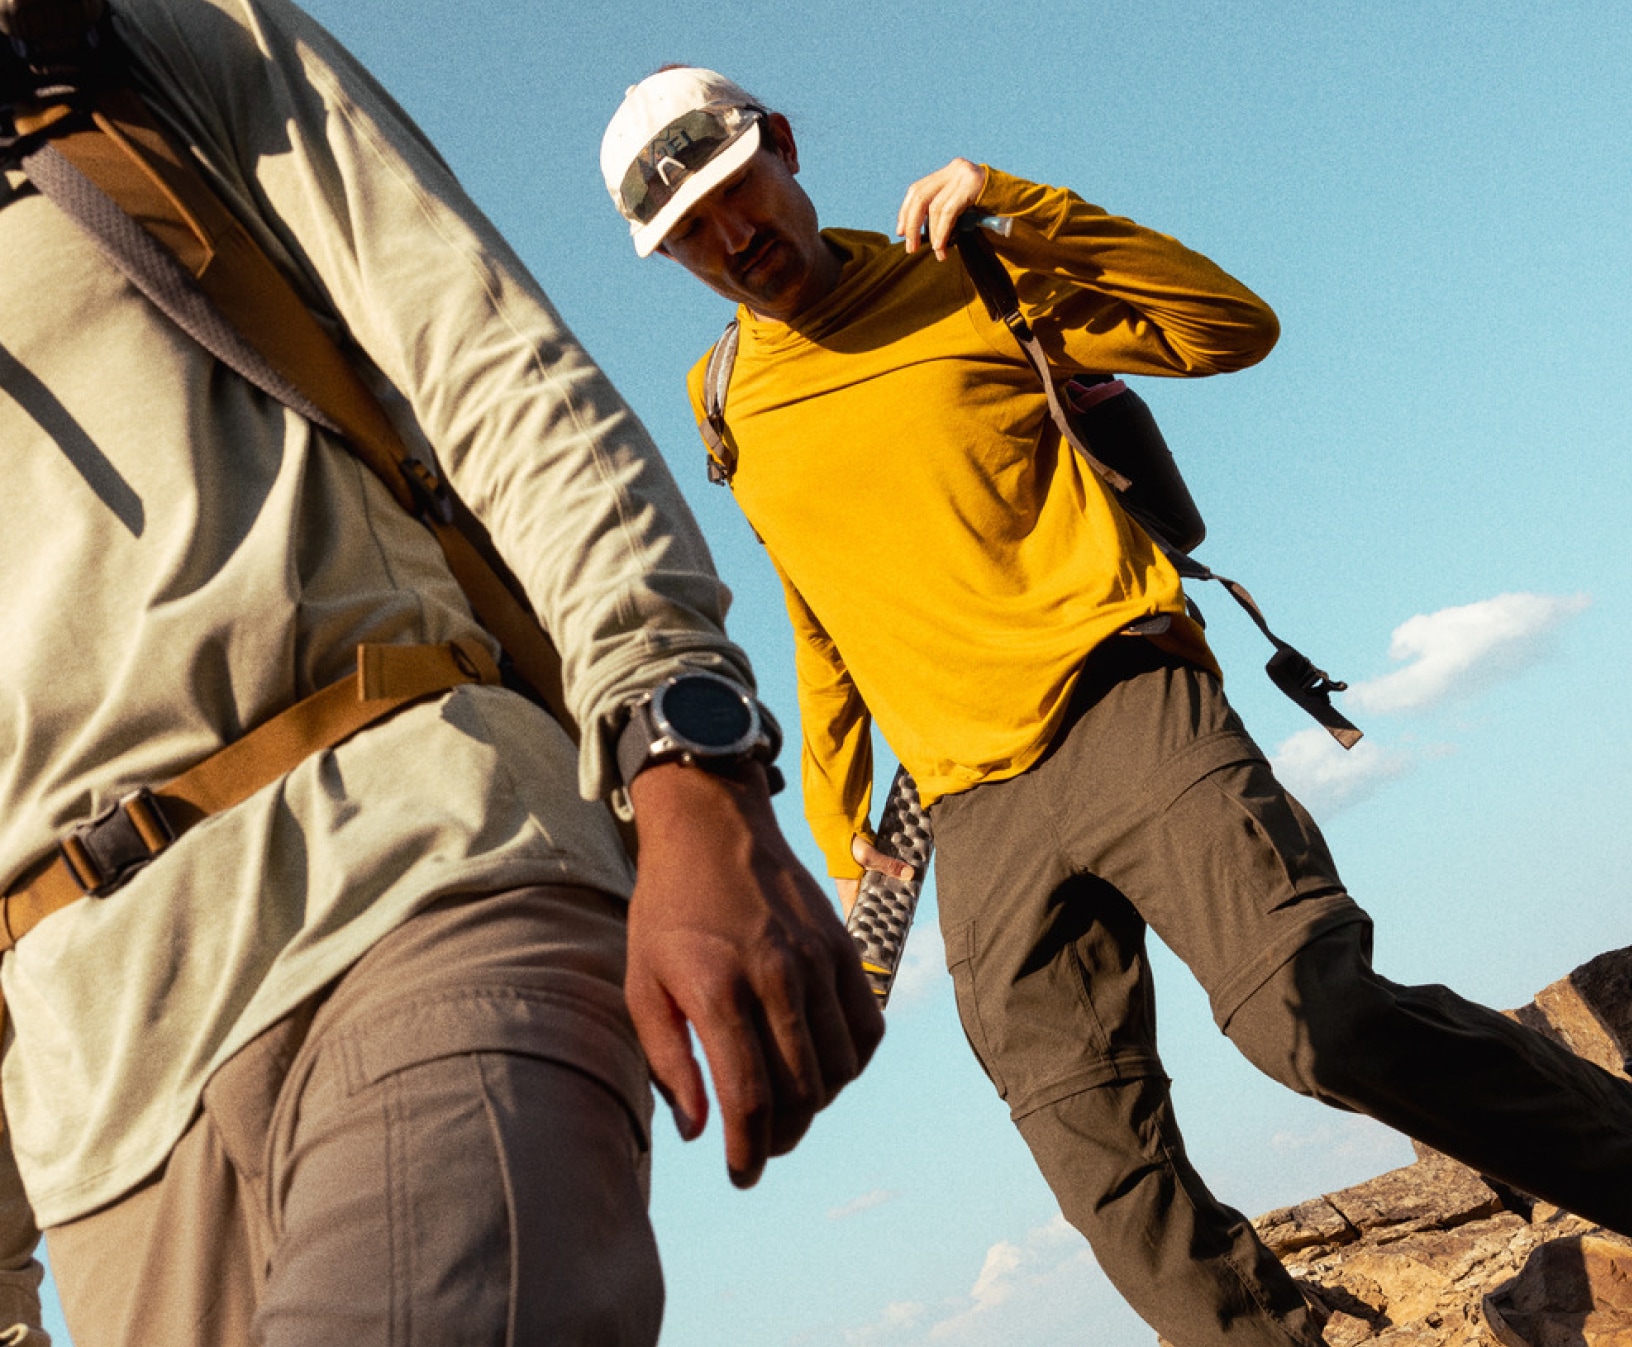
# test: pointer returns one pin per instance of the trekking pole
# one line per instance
(884, 907)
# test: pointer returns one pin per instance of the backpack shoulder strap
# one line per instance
(1293, 672)
(115, 172)
(722, 457)
(997, 292)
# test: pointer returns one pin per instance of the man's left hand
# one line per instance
(937, 201)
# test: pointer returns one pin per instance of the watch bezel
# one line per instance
(670, 737)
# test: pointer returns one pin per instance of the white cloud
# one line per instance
(1456, 651)
(896, 1319)
(923, 962)
(1040, 1290)
(1017, 1282)
(1327, 777)
(866, 1202)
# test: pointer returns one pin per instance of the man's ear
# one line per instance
(781, 140)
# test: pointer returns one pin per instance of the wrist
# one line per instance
(704, 721)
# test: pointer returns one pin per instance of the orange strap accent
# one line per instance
(388, 678)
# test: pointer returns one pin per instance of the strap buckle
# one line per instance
(104, 852)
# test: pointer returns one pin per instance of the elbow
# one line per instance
(1246, 341)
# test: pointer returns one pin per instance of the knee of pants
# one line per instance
(1325, 1022)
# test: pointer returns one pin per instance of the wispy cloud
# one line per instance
(1326, 777)
(1029, 1283)
(1457, 651)
(1446, 655)
(866, 1202)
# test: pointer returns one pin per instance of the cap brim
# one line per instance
(648, 236)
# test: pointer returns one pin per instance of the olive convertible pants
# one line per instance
(1153, 806)
(449, 1146)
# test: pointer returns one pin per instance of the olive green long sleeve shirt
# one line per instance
(183, 557)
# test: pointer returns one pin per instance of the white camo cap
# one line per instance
(679, 134)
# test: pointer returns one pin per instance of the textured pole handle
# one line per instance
(882, 916)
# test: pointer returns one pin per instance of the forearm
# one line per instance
(1137, 301)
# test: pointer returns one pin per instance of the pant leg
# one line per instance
(174, 1261)
(468, 1111)
(1055, 996)
(483, 1198)
(1466, 1080)
(1234, 875)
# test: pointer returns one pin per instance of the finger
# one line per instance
(742, 1086)
(794, 1015)
(849, 890)
(661, 1027)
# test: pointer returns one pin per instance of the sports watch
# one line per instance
(703, 720)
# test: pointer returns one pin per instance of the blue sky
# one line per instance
(1425, 486)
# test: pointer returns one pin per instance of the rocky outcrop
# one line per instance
(1435, 1255)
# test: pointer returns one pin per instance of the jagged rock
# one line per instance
(1589, 1012)
(1570, 1292)
(1435, 1255)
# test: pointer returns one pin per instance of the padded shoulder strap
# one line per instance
(722, 458)
(117, 174)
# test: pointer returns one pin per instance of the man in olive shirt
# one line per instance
(351, 1061)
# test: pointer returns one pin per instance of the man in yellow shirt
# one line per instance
(1032, 664)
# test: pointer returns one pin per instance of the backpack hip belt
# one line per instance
(94, 858)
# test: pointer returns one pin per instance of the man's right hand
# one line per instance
(869, 857)
(729, 934)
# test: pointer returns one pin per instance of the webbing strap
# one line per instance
(149, 208)
(722, 458)
(1002, 301)
(98, 855)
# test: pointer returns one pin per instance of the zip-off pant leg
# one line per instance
(1048, 962)
(1464, 1079)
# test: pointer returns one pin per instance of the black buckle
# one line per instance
(429, 491)
(104, 852)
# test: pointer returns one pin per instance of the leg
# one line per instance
(1055, 996)
(487, 1197)
(1235, 877)
(448, 1146)
(1464, 1079)
(1192, 1267)
(459, 1153)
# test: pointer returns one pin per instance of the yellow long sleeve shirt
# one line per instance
(947, 567)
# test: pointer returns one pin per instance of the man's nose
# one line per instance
(736, 233)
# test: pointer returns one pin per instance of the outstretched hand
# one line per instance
(729, 934)
(937, 201)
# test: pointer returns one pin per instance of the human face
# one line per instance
(754, 238)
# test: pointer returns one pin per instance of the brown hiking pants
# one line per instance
(1153, 806)
(450, 1145)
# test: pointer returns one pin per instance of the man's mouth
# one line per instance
(759, 252)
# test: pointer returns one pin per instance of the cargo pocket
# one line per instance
(960, 963)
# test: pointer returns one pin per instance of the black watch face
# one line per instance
(706, 712)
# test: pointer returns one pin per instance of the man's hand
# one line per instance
(937, 201)
(869, 857)
(730, 934)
